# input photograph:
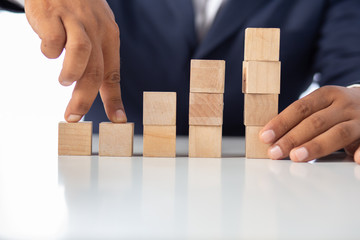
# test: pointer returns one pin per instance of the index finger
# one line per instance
(293, 115)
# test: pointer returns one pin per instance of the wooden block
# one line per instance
(159, 141)
(159, 108)
(262, 44)
(260, 108)
(75, 138)
(206, 109)
(261, 77)
(254, 148)
(205, 141)
(116, 139)
(207, 76)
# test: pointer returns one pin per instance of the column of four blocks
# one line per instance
(261, 85)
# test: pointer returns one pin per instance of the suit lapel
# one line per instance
(229, 19)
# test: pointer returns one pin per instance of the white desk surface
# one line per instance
(44, 196)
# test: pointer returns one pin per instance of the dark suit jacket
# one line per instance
(10, 6)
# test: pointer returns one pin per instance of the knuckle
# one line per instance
(317, 122)
(344, 132)
(113, 77)
(80, 45)
(54, 40)
(116, 100)
(302, 107)
(95, 74)
(283, 124)
(83, 107)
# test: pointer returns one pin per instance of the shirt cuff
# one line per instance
(354, 86)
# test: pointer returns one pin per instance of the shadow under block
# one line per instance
(116, 139)
(261, 77)
(254, 148)
(262, 44)
(260, 108)
(206, 109)
(75, 138)
(205, 141)
(159, 141)
(207, 76)
(159, 108)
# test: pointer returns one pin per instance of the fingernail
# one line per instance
(268, 136)
(74, 118)
(66, 83)
(120, 115)
(275, 153)
(301, 154)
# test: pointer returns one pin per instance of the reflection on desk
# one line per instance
(167, 198)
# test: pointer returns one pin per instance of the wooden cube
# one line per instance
(116, 139)
(206, 109)
(207, 76)
(205, 141)
(262, 44)
(159, 108)
(75, 138)
(261, 77)
(254, 148)
(260, 108)
(159, 141)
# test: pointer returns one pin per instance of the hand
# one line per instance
(90, 35)
(322, 122)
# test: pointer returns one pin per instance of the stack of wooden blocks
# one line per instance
(207, 80)
(159, 120)
(261, 85)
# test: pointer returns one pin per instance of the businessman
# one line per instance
(159, 37)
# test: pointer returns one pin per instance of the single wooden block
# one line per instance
(207, 76)
(75, 138)
(262, 44)
(206, 109)
(159, 141)
(254, 148)
(205, 141)
(261, 77)
(259, 109)
(159, 108)
(116, 139)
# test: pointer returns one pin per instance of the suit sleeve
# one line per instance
(338, 47)
(11, 6)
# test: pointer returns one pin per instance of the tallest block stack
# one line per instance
(261, 85)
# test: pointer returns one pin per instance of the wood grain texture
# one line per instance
(116, 139)
(254, 148)
(159, 108)
(159, 141)
(261, 77)
(207, 76)
(206, 109)
(75, 138)
(260, 108)
(205, 141)
(262, 44)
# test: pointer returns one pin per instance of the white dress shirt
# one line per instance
(205, 13)
(21, 2)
